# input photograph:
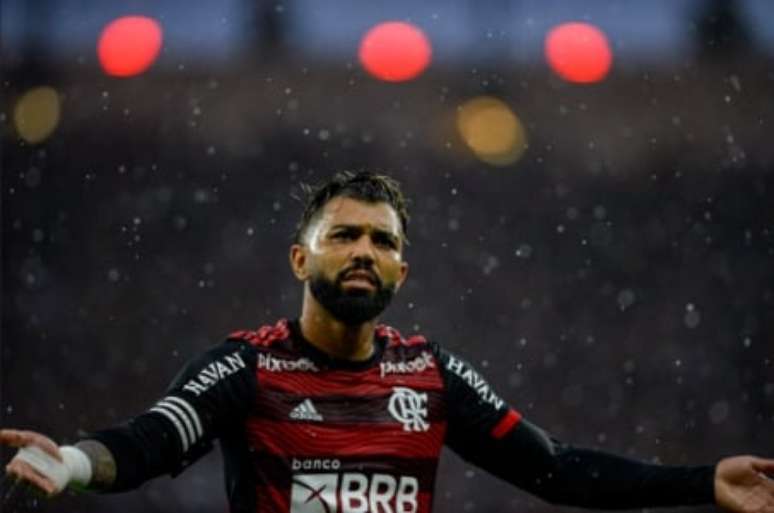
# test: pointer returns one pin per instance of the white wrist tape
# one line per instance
(74, 469)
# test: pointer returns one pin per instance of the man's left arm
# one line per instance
(487, 432)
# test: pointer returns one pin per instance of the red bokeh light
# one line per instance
(395, 51)
(578, 52)
(129, 45)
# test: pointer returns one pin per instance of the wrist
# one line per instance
(78, 464)
(103, 464)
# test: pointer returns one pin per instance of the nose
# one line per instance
(363, 250)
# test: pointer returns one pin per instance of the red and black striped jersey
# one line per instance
(302, 432)
(326, 436)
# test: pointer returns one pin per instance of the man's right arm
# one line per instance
(212, 391)
(487, 432)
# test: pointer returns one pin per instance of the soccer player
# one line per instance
(334, 413)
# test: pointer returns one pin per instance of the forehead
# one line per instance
(351, 212)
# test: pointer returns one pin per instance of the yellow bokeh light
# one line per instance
(36, 114)
(491, 130)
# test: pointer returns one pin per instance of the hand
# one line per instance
(744, 484)
(23, 470)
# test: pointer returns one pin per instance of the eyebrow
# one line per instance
(359, 228)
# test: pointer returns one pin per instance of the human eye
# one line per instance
(385, 240)
(343, 234)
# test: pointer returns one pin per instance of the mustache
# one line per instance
(367, 268)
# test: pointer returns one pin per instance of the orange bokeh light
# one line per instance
(129, 45)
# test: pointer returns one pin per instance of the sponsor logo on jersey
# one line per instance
(419, 364)
(409, 408)
(353, 492)
(214, 372)
(305, 411)
(271, 363)
(316, 464)
(475, 381)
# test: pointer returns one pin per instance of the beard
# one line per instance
(352, 307)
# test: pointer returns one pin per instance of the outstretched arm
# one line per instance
(210, 392)
(485, 431)
(50, 468)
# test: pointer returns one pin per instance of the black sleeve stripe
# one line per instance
(191, 412)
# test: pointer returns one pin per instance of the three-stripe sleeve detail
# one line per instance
(184, 417)
(191, 412)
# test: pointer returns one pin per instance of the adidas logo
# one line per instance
(305, 411)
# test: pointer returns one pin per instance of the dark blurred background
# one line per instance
(614, 280)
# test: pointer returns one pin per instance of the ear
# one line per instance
(404, 268)
(298, 261)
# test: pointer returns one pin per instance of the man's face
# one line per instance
(351, 258)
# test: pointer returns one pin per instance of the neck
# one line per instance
(328, 334)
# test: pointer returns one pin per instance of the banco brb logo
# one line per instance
(409, 408)
(354, 492)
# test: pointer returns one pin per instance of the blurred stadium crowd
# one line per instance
(614, 280)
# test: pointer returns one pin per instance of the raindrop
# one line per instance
(114, 275)
(718, 412)
(735, 83)
(492, 263)
(32, 178)
(180, 223)
(692, 316)
(524, 251)
(626, 298)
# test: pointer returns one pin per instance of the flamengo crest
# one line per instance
(409, 408)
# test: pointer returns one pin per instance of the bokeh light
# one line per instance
(36, 114)
(491, 129)
(129, 45)
(395, 51)
(578, 52)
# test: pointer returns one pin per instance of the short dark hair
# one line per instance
(363, 186)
